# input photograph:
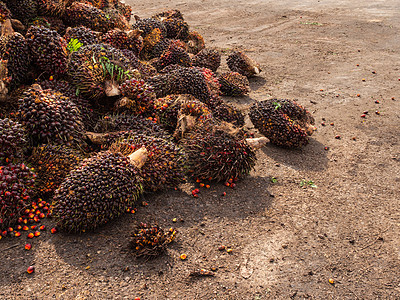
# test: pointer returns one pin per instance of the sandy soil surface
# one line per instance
(334, 57)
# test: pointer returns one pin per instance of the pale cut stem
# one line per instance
(111, 89)
(257, 143)
(139, 157)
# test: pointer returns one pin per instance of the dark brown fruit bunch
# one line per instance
(83, 14)
(148, 25)
(12, 141)
(96, 70)
(233, 84)
(50, 117)
(117, 20)
(96, 192)
(101, 4)
(165, 165)
(174, 55)
(176, 28)
(123, 122)
(131, 40)
(149, 42)
(138, 96)
(244, 65)
(4, 12)
(84, 35)
(284, 122)
(228, 113)
(53, 23)
(159, 48)
(215, 154)
(52, 164)
(23, 10)
(124, 9)
(48, 50)
(195, 42)
(150, 241)
(53, 8)
(207, 58)
(16, 189)
(14, 49)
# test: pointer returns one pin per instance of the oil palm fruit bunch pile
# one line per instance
(234, 84)
(131, 40)
(216, 154)
(12, 141)
(52, 164)
(49, 117)
(99, 190)
(284, 122)
(48, 50)
(150, 240)
(16, 187)
(165, 165)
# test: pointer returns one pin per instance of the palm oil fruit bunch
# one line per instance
(23, 10)
(147, 26)
(14, 49)
(244, 65)
(53, 23)
(48, 50)
(84, 14)
(53, 8)
(127, 122)
(150, 240)
(233, 84)
(131, 40)
(16, 187)
(195, 42)
(52, 164)
(228, 113)
(175, 25)
(174, 55)
(12, 141)
(124, 9)
(165, 165)
(166, 109)
(4, 12)
(216, 154)
(99, 190)
(117, 20)
(50, 117)
(207, 58)
(284, 122)
(138, 96)
(82, 34)
(97, 70)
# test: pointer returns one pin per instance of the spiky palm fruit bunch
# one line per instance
(165, 165)
(149, 42)
(241, 63)
(4, 12)
(12, 141)
(53, 8)
(14, 49)
(228, 113)
(138, 96)
(97, 69)
(169, 108)
(211, 80)
(131, 40)
(49, 116)
(174, 55)
(195, 42)
(101, 4)
(148, 25)
(52, 164)
(48, 50)
(284, 122)
(16, 189)
(84, 14)
(66, 88)
(84, 35)
(207, 58)
(150, 240)
(159, 48)
(99, 190)
(233, 84)
(214, 154)
(117, 20)
(123, 122)
(53, 23)
(23, 10)
(124, 9)
(176, 28)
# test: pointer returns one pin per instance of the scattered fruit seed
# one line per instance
(30, 235)
(42, 227)
(377, 101)
(326, 148)
(233, 185)
(207, 186)
(174, 220)
(30, 269)
(230, 250)
(25, 228)
(37, 233)
(363, 116)
(337, 137)
(363, 79)
(323, 123)
(183, 256)
(201, 184)
(358, 95)
(33, 227)
(53, 230)
(224, 194)
(28, 246)
(221, 248)
(332, 124)
(354, 138)
(331, 281)
(377, 112)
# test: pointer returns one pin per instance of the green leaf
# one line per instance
(274, 180)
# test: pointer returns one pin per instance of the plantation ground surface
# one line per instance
(334, 57)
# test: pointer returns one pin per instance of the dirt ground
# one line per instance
(334, 57)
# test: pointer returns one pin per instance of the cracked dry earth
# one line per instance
(287, 240)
